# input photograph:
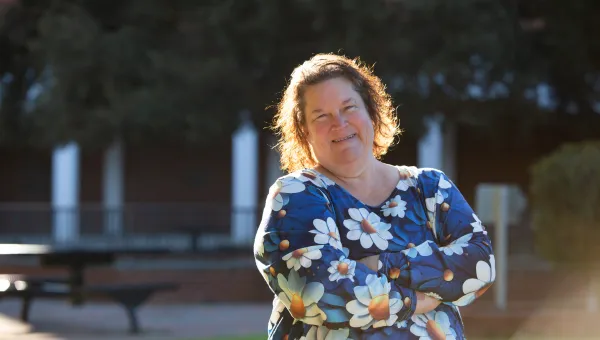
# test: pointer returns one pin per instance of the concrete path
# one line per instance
(58, 320)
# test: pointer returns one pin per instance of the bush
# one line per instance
(565, 195)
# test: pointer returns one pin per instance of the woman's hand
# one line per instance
(371, 261)
(425, 303)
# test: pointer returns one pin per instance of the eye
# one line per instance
(320, 116)
(350, 107)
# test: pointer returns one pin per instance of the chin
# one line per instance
(350, 157)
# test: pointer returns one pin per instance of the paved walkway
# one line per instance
(53, 320)
(58, 320)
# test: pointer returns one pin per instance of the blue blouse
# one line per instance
(428, 238)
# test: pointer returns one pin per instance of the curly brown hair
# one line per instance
(289, 122)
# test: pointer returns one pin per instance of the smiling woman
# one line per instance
(350, 88)
(338, 126)
(354, 248)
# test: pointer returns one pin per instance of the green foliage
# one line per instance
(136, 75)
(182, 70)
(565, 192)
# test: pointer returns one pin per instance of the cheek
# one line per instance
(371, 129)
(316, 134)
(320, 132)
(364, 123)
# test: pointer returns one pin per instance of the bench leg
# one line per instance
(131, 300)
(25, 308)
(134, 326)
(194, 242)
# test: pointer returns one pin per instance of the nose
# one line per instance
(339, 121)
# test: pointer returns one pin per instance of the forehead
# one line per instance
(329, 92)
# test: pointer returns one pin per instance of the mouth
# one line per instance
(345, 138)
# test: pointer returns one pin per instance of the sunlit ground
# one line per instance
(562, 314)
(523, 337)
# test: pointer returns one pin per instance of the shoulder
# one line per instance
(429, 179)
(419, 173)
(301, 179)
(294, 201)
(299, 186)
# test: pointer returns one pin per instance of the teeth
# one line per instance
(343, 139)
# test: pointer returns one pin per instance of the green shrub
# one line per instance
(565, 203)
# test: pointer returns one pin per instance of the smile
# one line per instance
(343, 139)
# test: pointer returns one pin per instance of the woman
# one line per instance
(354, 248)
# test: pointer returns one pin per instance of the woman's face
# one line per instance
(338, 125)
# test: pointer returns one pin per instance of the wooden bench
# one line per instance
(129, 296)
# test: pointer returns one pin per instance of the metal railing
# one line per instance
(186, 219)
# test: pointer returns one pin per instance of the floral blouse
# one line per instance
(428, 238)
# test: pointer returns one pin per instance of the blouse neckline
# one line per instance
(372, 207)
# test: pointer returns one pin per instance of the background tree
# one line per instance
(565, 193)
(182, 70)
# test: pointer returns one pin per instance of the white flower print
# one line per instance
(302, 257)
(474, 288)
(301, 298)
(314, 177)
(278, 307)
(407, 180)
(402, 324)
(368, 228)
(432, 326)
(325, 197)
(433, 295)
(324, 333)
(327, 181)
(477, 226)
(432, 201)
(423, 249)
(405, 184)
(259, 239)
(443, 183)
(327, 233)
(456, 247)
(373, 305)
(265, 275)
(394, 207)
(342, 269)
(280, 190)
(260, 249)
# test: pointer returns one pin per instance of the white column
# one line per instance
(112, 185)
(431, 144)
(437, 147)
(65, 192)
(273, 171)
(501, 215)
(244, 182)
(449, 153)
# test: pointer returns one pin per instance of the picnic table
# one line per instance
(76, 259)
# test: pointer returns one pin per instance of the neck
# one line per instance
(354, 176)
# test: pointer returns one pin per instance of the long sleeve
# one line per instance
(460, 266)
(299, 253)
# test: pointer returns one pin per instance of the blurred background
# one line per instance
(144, 123)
